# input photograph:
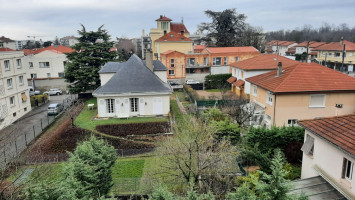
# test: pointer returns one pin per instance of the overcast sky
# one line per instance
(127, 18)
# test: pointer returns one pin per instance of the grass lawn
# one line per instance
(84, 120)
(213, 90)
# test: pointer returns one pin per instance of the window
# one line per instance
(33, 75)
(350, 54)
(225, 60)
(172, 63)
(12, 101)
(109, 105)
(9, 83)
(48, 75)
(205, 61)
(337, 54)
(236, 59)
(7, 65)
(255, 90)
(171, 72)
(164, 25)
(308, 145)
(347, 169)
(269, 98)
(24, 97)
(191, 61)
(292, 122)
(25, 109)
(43, 64)
(61, 74)
(317, 101)
(18, 62)
(30, 65)
(64, 63)
(20, 80)
(330, 54)
(134, 104)
(217, 61)
(190, 71)
(14, 114)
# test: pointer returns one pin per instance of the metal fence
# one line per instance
(14, 148)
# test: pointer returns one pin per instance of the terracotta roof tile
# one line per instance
(263, 62)
(304, 77)
(231, 79)
(199, 47)
(178, 27)
(6, 49)
(335, 46)
(239, 83)
(231, 49)
(172, 37)
(59, 49)
(339, 130)
(163, 18)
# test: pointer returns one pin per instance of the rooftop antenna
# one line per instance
(182, 20)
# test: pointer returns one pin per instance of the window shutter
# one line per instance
(343, 169)
(307, 146)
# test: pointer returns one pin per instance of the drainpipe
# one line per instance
(273, 123)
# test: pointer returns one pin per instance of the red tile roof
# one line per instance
(59, 49)
(163, 18)
(231, 79)
(280, 43)
(178, 27)
(231, 49)
(312, 44)
(263, 62)
(339, 130)
(304, 77)
(239, 83)
(199, 47)
(29, 51)
(6, 49)
(335, 46)
(172, 37)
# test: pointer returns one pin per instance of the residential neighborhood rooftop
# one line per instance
(6, 49)
(172, 37)
(163, 18)
(337, 46)
(264, 62)
(231, 49)
(338, 130)
(132, 76)
(304, 77)
(56, 49)
(178, 27)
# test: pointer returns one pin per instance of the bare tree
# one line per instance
(194, 155)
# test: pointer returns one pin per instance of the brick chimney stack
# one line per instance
(149, 59)
(341, 41)
(279, 69)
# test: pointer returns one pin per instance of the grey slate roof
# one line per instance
(112, 67)
(132, 76)
(316, 188)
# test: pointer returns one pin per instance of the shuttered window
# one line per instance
(308, 145)
(317, 100)
(110, 105)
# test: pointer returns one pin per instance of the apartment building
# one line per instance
(14, 94)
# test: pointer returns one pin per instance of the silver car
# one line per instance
(55, 108)
(54, 91)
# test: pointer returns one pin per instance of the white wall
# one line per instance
(56, 64)
(242, 74)
(105, 77)
(220, 70)
(10, 113)
(122, 105)
(162, 75)
(330, 159)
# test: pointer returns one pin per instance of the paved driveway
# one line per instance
(10, 133)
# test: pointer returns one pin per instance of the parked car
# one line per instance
(32, 91)
(191, 82)
(55, 108)
(54, 91)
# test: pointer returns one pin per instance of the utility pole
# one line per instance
(307, 52)
(343, 57)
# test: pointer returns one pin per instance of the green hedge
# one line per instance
(41, 98)
(218, 81)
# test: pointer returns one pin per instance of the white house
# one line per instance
(132, 88)
(254, 66)
(14, 94)
(7, 43)
(329, 152)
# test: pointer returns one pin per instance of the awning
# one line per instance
(238, 83)
(231, 79)
(24, 97)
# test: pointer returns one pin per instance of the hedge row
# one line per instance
(218, 81)
(39, 99)
(123, 130)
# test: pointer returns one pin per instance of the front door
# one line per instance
(157, 106)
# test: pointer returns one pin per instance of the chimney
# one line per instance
(182, 32)
(149, 59)
(341, 41)
(164, 32)
(279, 69)
(161, 16)
(143, 33)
